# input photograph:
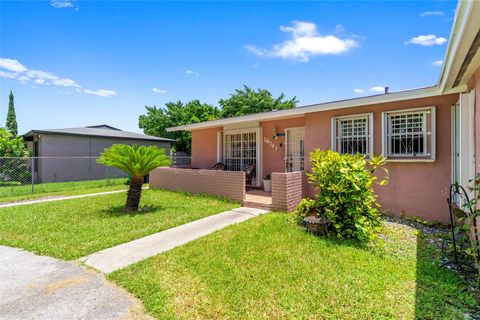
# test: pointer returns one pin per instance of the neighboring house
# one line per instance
(430, 137)
(70, 154)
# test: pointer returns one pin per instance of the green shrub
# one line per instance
(305, 208)
(344, 192)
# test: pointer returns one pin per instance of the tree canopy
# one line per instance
(11, 146)
(157, 120)
(247, 101)
(241, 102)
(11, 124)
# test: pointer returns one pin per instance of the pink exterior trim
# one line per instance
(227, 184)
(288, 189)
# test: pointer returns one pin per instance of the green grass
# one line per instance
(10, 192)
(70, 229)
(268, 267)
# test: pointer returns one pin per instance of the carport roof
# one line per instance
(103, 131)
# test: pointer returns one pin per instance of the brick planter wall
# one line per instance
(228, 184)
(288, 189)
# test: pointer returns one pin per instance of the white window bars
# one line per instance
(409, 134)
(353, 134)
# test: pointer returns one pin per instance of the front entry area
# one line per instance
(240, 151)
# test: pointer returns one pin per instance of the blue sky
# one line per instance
(76, 63)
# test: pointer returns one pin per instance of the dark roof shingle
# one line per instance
(98, 131)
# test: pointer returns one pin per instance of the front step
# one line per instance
(257, 205)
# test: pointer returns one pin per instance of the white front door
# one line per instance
(463, 153)
(295, 149)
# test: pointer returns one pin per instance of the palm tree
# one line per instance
(137, 161)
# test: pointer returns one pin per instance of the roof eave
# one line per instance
(296, 112)
(464, 30)
(149, 138)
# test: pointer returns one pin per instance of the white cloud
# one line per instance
(157, 90)
(13, 69)
(359, 91)
(427, 40)
(101, 92)
(437, 63)
(192, 73)
(62, 3)
(8, 75)
(305, 43)
(12, 65)
(377, 89)
(432, 14)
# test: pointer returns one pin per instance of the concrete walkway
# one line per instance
(39, 287)
(114, 258)
(59, 198)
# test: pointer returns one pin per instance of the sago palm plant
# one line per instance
(137, 161)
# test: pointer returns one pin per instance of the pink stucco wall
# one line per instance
(204, 148)
(274, 149)
(415, 188)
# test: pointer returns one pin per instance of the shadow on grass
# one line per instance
(440, 293)
(118, 211)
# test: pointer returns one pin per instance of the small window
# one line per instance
(353, 134)
(409, 134)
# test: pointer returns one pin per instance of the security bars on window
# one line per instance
(407, 134)
(352, 135)
(240, 149)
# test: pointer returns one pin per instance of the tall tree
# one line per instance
(11, 124)
(247, 101)
(157, 120)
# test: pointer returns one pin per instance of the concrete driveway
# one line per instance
(39, 287)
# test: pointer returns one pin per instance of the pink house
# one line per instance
(429, 136)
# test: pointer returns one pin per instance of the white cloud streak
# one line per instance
(305, 42)
(62, 4)
(14, 70)
(12, 65)
(427, 40)
(157, 90)
(358, 91)
(192, 73)
(377, 89)
(438, 63)
(432, 14)
(101, 92)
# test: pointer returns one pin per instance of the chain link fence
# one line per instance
(27, 175)
(19, 176)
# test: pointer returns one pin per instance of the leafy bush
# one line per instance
(345, 194)
(305, 208)
(13, 159)
(467, 223)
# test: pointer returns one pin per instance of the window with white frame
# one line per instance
(353, 134)
(409, 134)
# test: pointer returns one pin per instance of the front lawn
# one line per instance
(70, 229)
(267, 267)
(18, 192)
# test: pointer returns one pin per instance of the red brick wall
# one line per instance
(228, 184)
(288, 189)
